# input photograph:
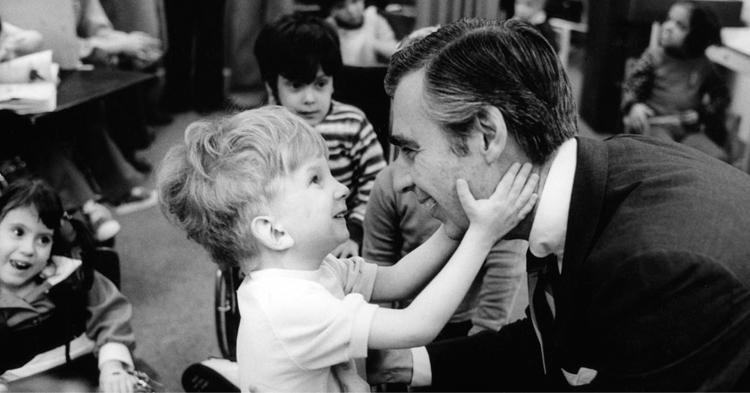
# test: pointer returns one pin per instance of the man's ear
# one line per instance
(491, 124)
(271, 235)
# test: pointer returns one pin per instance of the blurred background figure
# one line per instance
(245, 19)
(674, 91)
(15, 41)
(533, 12)
(366, 37)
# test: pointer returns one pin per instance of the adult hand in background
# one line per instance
(389, 366)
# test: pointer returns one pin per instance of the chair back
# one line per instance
(363, 88)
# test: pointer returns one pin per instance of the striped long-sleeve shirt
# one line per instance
(355, 155)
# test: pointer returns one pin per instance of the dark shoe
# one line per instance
(211, 375)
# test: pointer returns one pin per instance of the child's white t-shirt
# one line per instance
(300, 330)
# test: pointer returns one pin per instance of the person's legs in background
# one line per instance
(194, 65)
(245, 18)
(47, 155)
(76, 194)
(208, 77)
(97, 156)
(126, 124)
(178, 59)
(145, 16)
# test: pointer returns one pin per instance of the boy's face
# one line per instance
(311, 206)
(349, 13)
(310, 102)
(25, 246)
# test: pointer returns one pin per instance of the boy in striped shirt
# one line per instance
(298, 56)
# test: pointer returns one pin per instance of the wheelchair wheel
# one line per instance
(227, 314)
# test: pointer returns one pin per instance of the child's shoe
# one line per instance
(103, 226)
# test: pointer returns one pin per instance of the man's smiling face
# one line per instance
(426, 164)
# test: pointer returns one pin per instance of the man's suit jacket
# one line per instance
(655, 285)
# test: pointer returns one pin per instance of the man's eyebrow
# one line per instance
(401, 142)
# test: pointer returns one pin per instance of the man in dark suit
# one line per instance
(639, 273)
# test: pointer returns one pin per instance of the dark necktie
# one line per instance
(546, 272)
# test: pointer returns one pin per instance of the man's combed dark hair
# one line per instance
(474, 63)
(295, 47)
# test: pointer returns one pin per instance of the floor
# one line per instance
(170, 280)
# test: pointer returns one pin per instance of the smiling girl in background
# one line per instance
(53, 311)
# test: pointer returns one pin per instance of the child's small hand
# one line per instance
(60, 269)
(113, 378)
(512, 200)
(636, 121)
(689, 118)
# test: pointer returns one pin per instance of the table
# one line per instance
(78, 87)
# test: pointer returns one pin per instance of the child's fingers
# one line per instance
(506, 182)
(528, 190)
(464, 193)
(520, 180)
(127, 385)
(528, 206)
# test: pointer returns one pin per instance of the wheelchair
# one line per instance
(226, 313)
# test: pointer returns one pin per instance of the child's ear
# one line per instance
(271, 235)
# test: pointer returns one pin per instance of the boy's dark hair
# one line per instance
(326, 6)
(39, 195)
(295, 46)
(704, 29)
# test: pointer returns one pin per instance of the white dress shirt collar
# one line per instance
(549, 228)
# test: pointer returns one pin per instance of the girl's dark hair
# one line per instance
(295, 46)
(39, 195)
(704, 29)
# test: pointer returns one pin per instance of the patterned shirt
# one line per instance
(355, 155)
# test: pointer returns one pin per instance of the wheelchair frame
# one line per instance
(226, 313)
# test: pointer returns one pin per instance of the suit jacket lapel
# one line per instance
(585, 208)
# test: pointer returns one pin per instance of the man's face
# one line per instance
(426, 164)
